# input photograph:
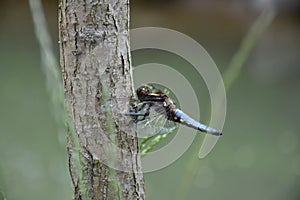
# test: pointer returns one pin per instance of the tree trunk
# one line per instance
(95, 59)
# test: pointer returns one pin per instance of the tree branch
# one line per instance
(97, 74)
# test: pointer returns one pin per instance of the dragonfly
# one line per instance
(151, 98)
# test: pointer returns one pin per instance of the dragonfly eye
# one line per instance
(142, 92)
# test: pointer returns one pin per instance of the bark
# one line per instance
(97, 75)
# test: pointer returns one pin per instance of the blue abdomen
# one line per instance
(183, 118)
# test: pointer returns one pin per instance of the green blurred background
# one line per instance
(257, 158)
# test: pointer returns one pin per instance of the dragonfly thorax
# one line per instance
(146, 94)
(142, 92)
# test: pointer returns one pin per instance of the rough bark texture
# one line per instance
(96, 67)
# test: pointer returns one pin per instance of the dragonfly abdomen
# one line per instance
(183, 118)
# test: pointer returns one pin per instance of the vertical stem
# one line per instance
(54, 84)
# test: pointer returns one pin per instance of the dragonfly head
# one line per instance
(143, 91)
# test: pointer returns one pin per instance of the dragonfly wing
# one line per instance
(145, 125)
(149, 126)
(207, 145)
(153, 124)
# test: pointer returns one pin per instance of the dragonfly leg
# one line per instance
(136, 108)
(145, 115)
(136, 113)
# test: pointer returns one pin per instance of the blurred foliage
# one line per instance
(230, 76)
